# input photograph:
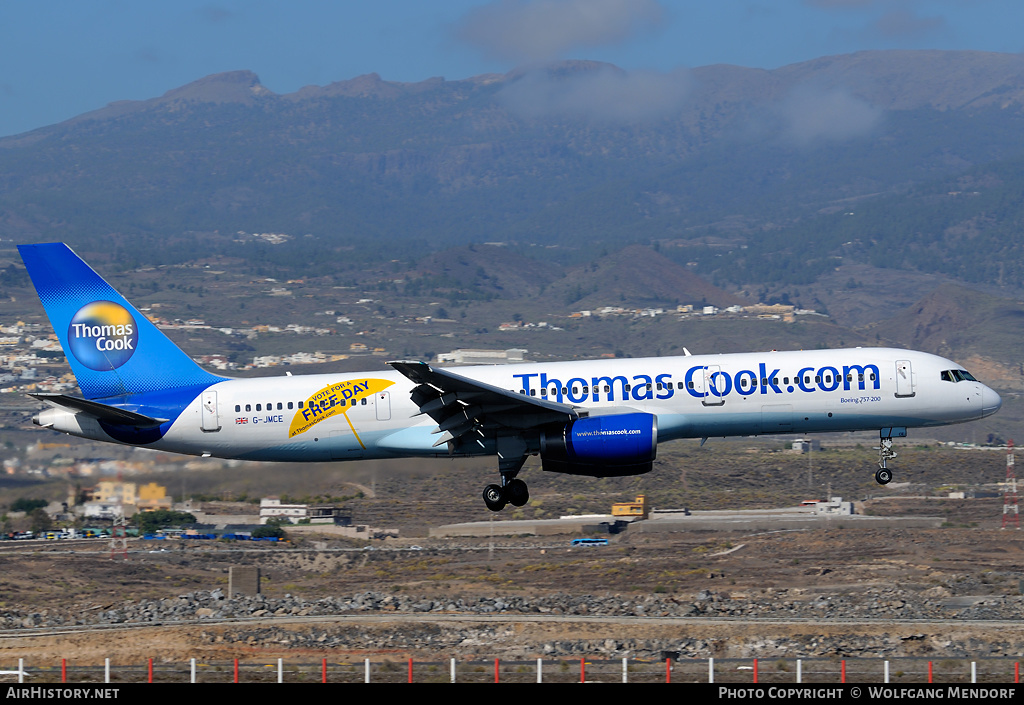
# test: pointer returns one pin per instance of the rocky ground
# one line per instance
(943, 593)
(877, 604)
(841, 591)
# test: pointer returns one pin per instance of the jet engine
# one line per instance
(602, 446)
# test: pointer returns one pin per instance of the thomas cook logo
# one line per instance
(103, 335)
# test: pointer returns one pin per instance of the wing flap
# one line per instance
(460, 405)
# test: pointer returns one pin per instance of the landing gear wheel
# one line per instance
(517, 493)
(883, 476)
(494, 498)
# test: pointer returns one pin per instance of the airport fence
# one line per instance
(776, 671)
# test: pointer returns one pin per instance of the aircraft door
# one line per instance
(715, 388)
(904, 379)
(210, 419)
(383, 406)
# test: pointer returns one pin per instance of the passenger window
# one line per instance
(238, 408)
(279, 406)
(300, 404)
(363, 402)
(627, 388)
(290, 405)
(607, 389)
(248, 407)
(817, 379)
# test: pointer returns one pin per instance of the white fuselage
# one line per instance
(313, 418)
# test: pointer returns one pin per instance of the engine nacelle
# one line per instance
(602, 446)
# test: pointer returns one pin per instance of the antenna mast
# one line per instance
(1011, 513)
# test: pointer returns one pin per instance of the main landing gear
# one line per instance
(515, 493)
(883, 475)
(512, 453)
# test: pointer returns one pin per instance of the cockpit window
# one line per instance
(957, 376)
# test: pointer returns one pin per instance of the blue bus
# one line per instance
(590, 542)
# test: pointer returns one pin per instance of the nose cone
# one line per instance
(990, 402)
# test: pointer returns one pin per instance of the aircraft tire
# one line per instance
(494, 498)
(883, 476)
(517, 493)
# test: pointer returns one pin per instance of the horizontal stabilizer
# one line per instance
(100, 412)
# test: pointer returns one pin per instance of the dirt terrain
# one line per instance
(828, 592)
(839, 591)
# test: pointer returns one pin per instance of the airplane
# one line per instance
(600, 418)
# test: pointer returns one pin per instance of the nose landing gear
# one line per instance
(883, 475)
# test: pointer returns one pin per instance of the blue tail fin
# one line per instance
(113, 349)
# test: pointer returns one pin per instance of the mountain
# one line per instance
(979, 330)
(477, 272)
(636, 276)
(744, 175)
(953, 319)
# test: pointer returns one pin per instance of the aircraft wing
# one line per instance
(467, 410)
(100, 412)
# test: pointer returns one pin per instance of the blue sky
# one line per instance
(60, 58)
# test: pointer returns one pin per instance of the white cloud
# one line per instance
(531, 31)
(809, 115)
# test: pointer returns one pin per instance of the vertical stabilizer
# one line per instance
(112, 348)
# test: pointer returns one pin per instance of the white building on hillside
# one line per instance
(271, 508)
